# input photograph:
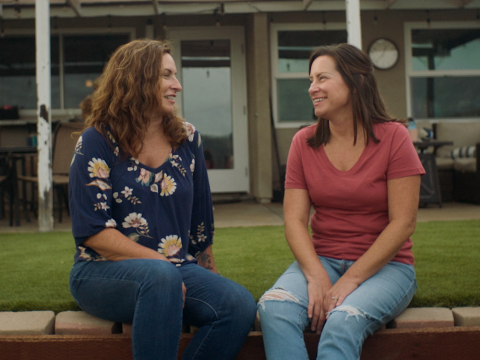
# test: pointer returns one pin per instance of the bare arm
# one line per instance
(297, 211)
(206, 260)
(403, 198)
(114, 246)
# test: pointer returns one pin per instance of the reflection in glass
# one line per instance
(294, 47)
(446, 49)
(294, 102)
(446, 97)
(17, 71)
(207, 99)
(85, 57)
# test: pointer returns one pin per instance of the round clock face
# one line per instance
(383, 53)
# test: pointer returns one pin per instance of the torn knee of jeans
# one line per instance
(277, 294)
(350, 310)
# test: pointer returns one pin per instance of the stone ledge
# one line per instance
(423, 318)
(466, 316)
(27, 323)
(82, 323)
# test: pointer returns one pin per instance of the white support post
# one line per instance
(44, 114)
(354, 25)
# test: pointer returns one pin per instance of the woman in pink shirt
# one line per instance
(359, 170)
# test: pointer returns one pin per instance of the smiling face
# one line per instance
(328, 91)
(170, 85)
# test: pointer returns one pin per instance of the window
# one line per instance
(443, 71)
(76, 61)
(291, 47)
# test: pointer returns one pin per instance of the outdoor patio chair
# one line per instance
(6, 187)
(64, 142)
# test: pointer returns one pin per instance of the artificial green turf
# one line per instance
(34, 268)
(447, 263)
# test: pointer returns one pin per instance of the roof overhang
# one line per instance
(25, 9)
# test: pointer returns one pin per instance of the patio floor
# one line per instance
(251, 213)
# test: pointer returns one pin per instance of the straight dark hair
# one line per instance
(356, 69)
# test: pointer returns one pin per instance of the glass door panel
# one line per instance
(207, 99)
(211, 67)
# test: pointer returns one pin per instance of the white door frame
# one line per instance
(236, 179)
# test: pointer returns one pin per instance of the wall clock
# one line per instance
(383, 53)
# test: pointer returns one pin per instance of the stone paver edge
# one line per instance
(81, 323)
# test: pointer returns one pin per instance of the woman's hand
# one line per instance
(316, 304)
(205, 260)
(296, 208)
(337, 293)
(184, 291)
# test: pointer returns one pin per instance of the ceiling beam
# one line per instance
(156, 7)
(306, 4)
(389, 3)
(76, 6)
(230, 7)
(463, 3)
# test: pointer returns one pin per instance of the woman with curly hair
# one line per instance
(142, 216)
(359, 170)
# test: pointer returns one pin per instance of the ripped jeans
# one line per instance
(283, 311)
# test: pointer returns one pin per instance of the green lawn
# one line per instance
(34, 268)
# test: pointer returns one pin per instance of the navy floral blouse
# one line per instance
(168, 209)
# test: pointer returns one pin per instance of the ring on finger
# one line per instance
(334, 298)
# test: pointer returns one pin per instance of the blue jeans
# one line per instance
(148, 294)
(283, 311)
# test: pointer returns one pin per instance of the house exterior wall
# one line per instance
(262, 163)
(392, 83)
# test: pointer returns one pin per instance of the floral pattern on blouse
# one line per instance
(137, 222)
(170, 246)
(122, 194)
(127, 193)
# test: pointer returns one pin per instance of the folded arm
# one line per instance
(114, 246)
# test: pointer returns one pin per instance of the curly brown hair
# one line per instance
(356, 69)
(128, 96)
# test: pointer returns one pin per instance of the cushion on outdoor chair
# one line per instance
(465, 164)
(444, 163)
(464, 152)
(461, 133)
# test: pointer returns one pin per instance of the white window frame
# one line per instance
(276, 75)
(131, 31)
(410, 73)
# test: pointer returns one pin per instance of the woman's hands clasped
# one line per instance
(337, 293)
(184, 292)
(323, 298)
(316, 299)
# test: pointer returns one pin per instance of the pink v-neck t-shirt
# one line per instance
(351, 207)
